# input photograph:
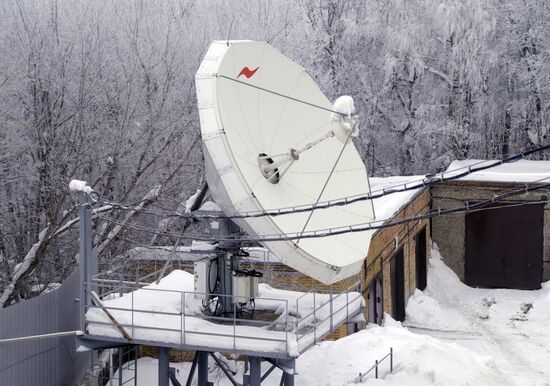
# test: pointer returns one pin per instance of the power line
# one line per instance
(425, 182)
(429, 180)
(373, 225)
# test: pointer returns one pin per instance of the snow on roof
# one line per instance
(519, 171)
(385, 207)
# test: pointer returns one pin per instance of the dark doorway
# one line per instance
(398, 286)
(376, 303)
(504, 247)
(421, 271)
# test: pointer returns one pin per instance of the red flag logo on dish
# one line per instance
(247, 72)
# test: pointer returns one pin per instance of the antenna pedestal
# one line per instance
(233, 287)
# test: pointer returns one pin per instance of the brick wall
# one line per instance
(386, 242)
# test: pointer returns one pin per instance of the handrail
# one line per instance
(291, 322)
(374, 367)
(42, 336)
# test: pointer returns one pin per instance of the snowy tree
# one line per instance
(104, 92)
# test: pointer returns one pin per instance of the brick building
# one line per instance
(508, 247)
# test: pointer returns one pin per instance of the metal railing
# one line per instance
(312, 316)
(174, 328)
(120, 367)
(374, 367)
(317, 307)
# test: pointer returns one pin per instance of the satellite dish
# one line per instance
(266, 151)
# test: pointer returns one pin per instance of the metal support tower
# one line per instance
(228, 253)
(87, 261)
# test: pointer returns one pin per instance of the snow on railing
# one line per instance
(148, 313)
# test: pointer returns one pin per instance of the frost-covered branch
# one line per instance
(438, 74)
(22, 268)
(69, 224)
(149, 197)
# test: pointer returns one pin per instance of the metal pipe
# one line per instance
(168, 260)
(225, 371)
(391, 359)
(120, 353)
(269, 371)
(286, 326)
(42, 336)
(289, 379)
(85, 255)
(111, 370)
(297, 321)
(192, 370)
(289, 376)
(135, 367)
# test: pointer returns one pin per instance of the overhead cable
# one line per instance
(362, 227)
(429, 180)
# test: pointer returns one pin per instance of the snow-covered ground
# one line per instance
(418, 360)
(511, 326)
(453, 335)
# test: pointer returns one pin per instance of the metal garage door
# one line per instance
(397, 273)
(504, 247)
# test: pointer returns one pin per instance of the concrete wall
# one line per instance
(448, 232)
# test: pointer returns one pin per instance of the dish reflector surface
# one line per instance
(239, 122)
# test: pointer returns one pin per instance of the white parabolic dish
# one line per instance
(239, 122)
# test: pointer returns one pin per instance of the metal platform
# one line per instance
(117, 311)
(282, 327)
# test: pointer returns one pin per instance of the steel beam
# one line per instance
(289, 375)
(203, 368)
(255, 371)
(289, 379)
(164, 366)
(120, 364)
(192, 370)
